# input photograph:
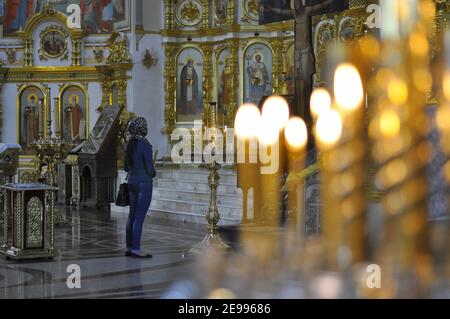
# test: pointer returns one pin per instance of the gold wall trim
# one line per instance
(39, 74)
(233, 28)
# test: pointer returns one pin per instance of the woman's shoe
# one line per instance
(141, 255)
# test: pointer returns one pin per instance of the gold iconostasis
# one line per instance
(218, 52)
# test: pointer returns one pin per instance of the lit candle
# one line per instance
(274, 117)
(320, 102)
(296, 139)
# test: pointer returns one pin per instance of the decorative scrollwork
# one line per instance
(118, 49)
(35, 212)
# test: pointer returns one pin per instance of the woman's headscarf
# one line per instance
(138, 128)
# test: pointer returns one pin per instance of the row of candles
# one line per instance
(377, 111)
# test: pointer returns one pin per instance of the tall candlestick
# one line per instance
(48, 113)
(57, 117)
(41, 118)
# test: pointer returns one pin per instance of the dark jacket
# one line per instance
(140, 167)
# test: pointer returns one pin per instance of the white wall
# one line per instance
(148, 91)
(153, 15)
(9, 127)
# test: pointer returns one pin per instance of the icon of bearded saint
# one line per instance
(190, 101)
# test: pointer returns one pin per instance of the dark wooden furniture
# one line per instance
(97, 160)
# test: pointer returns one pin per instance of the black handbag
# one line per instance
(123, 197)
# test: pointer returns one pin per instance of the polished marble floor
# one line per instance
(94, 241)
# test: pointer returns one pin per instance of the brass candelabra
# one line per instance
(50, 150)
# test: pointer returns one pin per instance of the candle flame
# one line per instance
(348, 88)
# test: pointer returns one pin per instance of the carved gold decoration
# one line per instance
(4, 195)
(76, 52)
(189, 13)
(218, 20)
(34, 223)
(169, 14)
(207, 80)
(230, 112)
(150, 59)
(277, 65)
(170, 116)
(118, 49)
(231, 12)
(29, 177)
(40, 74)
(251, 10)
(225, 29)
(99, 55)
(347, 26)
(114, 82)
(62, 34)
(205, 15)
(18, 207)
(11, 55)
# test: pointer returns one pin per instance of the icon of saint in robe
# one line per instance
(190, 100)
(74, 122)
(224, 99)
(31, 122)
(258, 80)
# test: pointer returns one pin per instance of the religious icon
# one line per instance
(98, 16)
(257, 73)
(53, 43)
(17, 13)
(31, 101)
(74, 116)
(224, 73)
(31, 120)
(251, 9)
(190, 87)
(221, 11)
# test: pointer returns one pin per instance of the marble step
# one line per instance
(200, 176)
(192, 196)
(195, 208)
(179, 217)
(195, 186)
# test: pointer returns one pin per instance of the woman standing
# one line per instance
(141, 171)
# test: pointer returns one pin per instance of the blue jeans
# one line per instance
(140, 199)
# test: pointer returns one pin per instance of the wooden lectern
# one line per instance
(97, 160)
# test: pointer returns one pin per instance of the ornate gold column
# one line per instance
(277, 46)
(207, 81)
(106, 92)
(28, 53)
(231, 12)
(76, 52)
(169, 14)
(234, 83)
(122, 94)
(170, 116)
(205, 17)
